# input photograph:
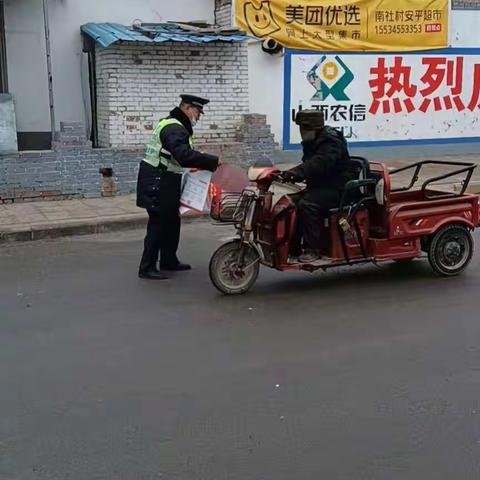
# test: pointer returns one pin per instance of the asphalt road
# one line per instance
(362, 373)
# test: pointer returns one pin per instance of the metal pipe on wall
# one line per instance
(3, 52)
(49, 67)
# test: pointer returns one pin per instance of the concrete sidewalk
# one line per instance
(51, 219)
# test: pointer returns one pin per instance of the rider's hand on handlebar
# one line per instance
(289, 177)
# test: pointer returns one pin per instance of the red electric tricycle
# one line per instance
(373, 223)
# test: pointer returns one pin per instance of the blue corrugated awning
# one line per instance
(107, 33)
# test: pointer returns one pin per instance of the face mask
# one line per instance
(193, 119)
(307, 135)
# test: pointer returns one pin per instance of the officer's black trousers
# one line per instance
(161, 196)
(163, 235)
(313, 209)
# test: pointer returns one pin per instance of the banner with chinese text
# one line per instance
(348, 25)
(386, 97)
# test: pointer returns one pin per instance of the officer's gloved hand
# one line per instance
(219, 164)
(290, 177)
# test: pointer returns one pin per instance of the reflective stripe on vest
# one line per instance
(156, 155)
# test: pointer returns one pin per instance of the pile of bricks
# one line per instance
(231, 152)
(257, 139)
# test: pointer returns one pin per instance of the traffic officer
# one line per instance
(159, 184)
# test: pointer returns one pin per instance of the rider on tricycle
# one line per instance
(355, 217)
(325, 168)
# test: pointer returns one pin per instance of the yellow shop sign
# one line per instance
(351, 25)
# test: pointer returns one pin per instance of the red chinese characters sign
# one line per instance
(388, 97)
(393, 90)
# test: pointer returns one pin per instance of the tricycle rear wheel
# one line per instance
(450, 250)
(229, 272)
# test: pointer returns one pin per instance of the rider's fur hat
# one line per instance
(310, 119)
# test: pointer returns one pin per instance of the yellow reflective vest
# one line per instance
(156, 155)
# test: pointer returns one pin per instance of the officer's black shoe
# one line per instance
(175, 267)
(152, 275)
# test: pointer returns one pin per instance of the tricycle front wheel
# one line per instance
(234, 268)
(450, 250)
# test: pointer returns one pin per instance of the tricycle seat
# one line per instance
(355, 193)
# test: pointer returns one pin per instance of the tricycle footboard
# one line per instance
(383, 249)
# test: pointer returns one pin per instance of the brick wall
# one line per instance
(137, 84)
(466, 4)
(72, 172)
(72, 169)
(223, 13)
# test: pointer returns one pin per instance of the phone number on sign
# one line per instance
(397, 29)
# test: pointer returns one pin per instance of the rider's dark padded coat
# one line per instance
(326, 162)
(326, 168)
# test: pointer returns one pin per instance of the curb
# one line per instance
(88, 227)
(112, 224)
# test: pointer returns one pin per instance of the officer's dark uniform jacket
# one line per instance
(159, 187)
(326, 162)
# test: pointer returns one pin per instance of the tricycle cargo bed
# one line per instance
(411, 215)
